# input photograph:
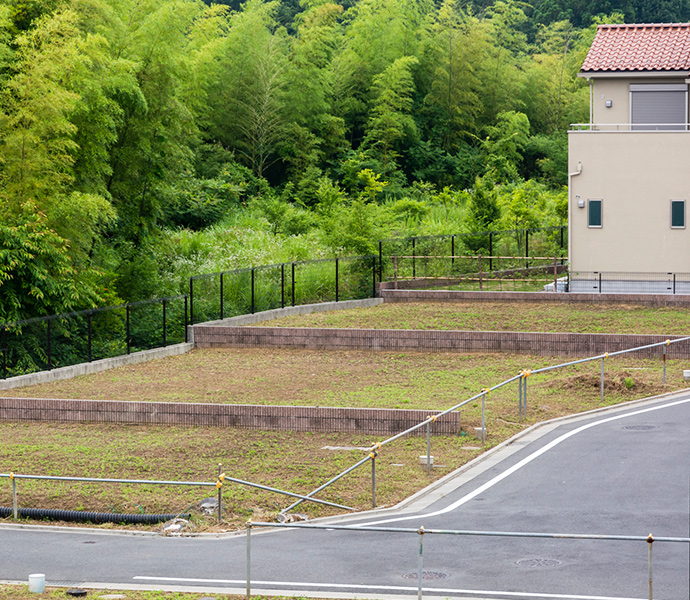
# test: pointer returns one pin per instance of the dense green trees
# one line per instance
(313, 126)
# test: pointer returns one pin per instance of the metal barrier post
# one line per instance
(219, 485)
(88, 336)
(665, 364)
(50, 366)
(650, 541)
(4, 352)
(380, 261)
(373, 479)
(336, 280)
(221, 296)
(293, 284)
(127, 329)
(253, 305)
(14, 496)
(483, 418)
(186, 333)
(282, 285)
(414, 266)
(420, 531)
(249, 559)
(600, 283)
(191, 301)
(602, 379)
(373, 275)
(520, 397)
(428, 448)
(165, 341)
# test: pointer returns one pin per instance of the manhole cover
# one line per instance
(639, 427)
(537, 562)
(426, 575)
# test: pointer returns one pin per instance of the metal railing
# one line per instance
(521, 378)
(613, 282)
(219, 483)
(421, 532)
(442, 255)
(247, 291)
(629, 127)
(47, 343)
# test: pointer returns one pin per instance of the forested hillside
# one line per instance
(143, 141)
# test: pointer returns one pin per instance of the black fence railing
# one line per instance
(454, 255)
(611, 282)
(247, 291)
(46, 343)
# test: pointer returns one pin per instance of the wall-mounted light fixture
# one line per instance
(609, 103)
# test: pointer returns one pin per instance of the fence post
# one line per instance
(336, 279)
(650, 541)
(555, 273)
(373, 478)
(219, 485)
(526, 248)
(186, 333)
(483, 418)
(191, 300)
(127, 330)
(165, 340)
(88, 335)
(674, 283)
(221, 297)
(414, 254)
(282, 285)
(602, 378)
(249, 559)
(253, 269)
(428, 448)
(562, 237)
(373, 275)
(491, 251)
(420, 531)
(14, 497)
(4, 352)
(666, 346)
(452, 251)
(600, 283)
(50, 366)
(293, 284)
(520, 395)
(480, 272)
(380, 261)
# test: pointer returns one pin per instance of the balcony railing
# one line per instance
(628, 127)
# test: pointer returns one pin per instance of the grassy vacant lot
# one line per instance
(296, 462)
(500, 316)
(21, 592)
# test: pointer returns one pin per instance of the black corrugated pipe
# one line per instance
(93, 517)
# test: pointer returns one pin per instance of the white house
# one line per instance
(629, 167)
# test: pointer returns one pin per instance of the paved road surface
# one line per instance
(621, 471)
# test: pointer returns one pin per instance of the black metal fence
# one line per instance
(46, 343)
(602, 282)
(247, 291)
(449, 256)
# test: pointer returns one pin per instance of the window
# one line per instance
(658, 107)
(594, 213)
(677, 214)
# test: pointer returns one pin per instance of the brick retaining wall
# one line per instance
(404, 295)
(545, 344)
(280, 418)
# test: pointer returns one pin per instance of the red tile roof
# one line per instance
(656, 47)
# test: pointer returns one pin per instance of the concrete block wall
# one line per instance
(278, 418)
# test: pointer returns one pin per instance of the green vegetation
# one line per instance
(144, 142)
(501, 316)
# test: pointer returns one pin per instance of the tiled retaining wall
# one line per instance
(281, 418)
(399, 295)
(545, 344)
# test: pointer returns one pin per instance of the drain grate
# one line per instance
(640, 427)
(426, 575)
(537, 562)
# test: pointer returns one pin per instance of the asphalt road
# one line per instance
(616, 472)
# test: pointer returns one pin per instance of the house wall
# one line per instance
(636, 174)
(618, 91)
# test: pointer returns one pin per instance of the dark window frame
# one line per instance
(675, 222)
(595, 223)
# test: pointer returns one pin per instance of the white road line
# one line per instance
(383, 588)
(516, 467)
